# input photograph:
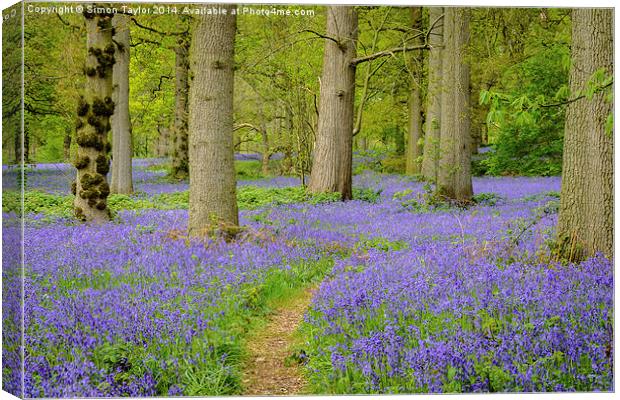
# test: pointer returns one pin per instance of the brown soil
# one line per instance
(267, 371)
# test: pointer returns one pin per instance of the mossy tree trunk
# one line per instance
(430, 158)
(454, 178)
(415, 133)
(586, 220)
(180, 155)
(95, 107)
(331, 168)
(212, 192)
(122, 149)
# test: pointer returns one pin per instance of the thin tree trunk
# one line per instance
(287, 163)
(94, 110)
(212, 198)
(430, 161)
(331, 168)
(164, 142)
(122, 181)
(180, 157)
(265, 144)
(66, 144)
(455, 155)
(585, 223)
(415, 133)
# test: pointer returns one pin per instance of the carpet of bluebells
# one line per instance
(412, 296)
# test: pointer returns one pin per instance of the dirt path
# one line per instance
(266, 371)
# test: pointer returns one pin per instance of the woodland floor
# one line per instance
(270, 369)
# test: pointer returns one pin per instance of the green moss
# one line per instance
(94, 51)
(102, 128)
(83, 107)
(109, 49)
(92, 120)
(104, 189)
(98, 145)
(79, 214)
(89, 140)
(86, 139)
(103, 166)
(90, 194)
(81, 162)
(88, 181)
(103, 108)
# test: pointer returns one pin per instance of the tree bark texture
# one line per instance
(332, 164)
(455, 156)
(587, 199)
(415, 133)
(180, 156)
(430, 159)
(122, 149)
(212, 197)
(93, 123)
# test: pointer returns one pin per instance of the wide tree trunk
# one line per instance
(122, 148)
(415, 133)
(332, 165)
(93, 124)
(180, 156)
(455, 155)
(586, 204)
(430, 159)
(212, 192)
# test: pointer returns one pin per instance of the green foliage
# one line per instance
(486, 198)
(248, 197)
(393, 165)
(381, 243)
(525, 72)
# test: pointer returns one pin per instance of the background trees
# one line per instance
(430, 159)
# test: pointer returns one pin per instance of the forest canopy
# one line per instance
(278, 63)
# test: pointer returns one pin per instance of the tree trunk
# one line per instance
(288, 164)
(586, 207)
(122, 181)
(455, 151)
(430, 161)
(415, 133)
(212, 193)
(180, 157)
(94, 110)
(363, 143)
(164, 142)
(265, 143)
(66, 144)
(331, 168)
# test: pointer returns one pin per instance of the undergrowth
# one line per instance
(248, 198)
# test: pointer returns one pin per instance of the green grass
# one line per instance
(248, 198)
